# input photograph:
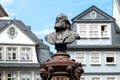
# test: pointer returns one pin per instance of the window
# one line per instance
(11, 53)
(26, 54)
(37, 76)
(95, 57)
(1, 76)
(104, 31)
(93, 30)
(11, 76)
(110, 57)
(82, 78)
(111, 78)
(60, 78)
(95, 78)
(83, 31)
(25, 76)
(1, 53)
(93, 15)
(81, 57)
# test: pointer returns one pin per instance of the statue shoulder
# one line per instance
(50, 38)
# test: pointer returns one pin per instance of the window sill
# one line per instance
(11, 60)
(26, 60)
(110, 64)
(104, 37)
(93, 37)
(83, 37)
(95, 64)
(83, 64)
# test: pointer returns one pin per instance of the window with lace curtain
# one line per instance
(95, 57)
(93, 30)
(95, 78)
(37, 76)
(81, 57)
(82, 78)
(25, 76)
(111, 78)
(26, 54)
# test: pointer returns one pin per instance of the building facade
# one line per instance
(19, 50)
(99, 47)
(116, 11)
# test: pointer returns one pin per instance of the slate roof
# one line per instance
(117, 29)
(22, 26)
(19, 65)
(73, 47)
(85, 16)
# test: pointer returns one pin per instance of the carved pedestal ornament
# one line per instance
(60, 67)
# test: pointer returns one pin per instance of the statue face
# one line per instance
(60, 18)
(60, 23)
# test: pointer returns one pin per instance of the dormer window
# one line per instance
(12, 32)
(94, 30)
(93, 14)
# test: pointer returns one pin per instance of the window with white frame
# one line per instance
(11, 76)
(12, 53)
(110, 57)
(25, 76)
(81, 57)
(93, 30)
(1, 53)
(82, 78)
(95, 57)
(1, 76)
(26, 53)
(95, 78)
(104, 31)
(37, 76)
(83, 31)
(111, 78)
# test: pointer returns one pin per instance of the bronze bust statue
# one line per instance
(63, 34)
(60, 67)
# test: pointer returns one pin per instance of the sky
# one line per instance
(41, 14)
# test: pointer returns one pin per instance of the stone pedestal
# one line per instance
(60, 67)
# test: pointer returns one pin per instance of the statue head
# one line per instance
(62, 23)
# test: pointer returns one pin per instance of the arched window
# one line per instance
(93, 15)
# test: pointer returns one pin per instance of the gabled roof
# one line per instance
(5, 23)
(2, 12)
(85, 16)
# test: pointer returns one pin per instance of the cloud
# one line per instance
(5, 2)
(44, 32)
